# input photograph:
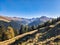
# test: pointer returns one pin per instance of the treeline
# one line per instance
(24, 29)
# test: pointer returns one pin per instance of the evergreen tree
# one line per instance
(33, 27)
(26, 29)
(2, 32)
(21, 29)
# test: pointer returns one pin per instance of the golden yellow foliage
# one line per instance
(10, 32)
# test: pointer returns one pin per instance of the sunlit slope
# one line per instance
(4, 19)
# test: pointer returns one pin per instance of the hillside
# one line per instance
(47, 33)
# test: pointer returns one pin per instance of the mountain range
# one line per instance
(25, 21)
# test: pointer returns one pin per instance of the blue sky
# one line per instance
(30, 8)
